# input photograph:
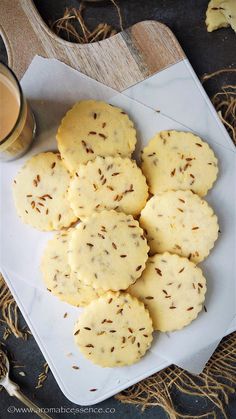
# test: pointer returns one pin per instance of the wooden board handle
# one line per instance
(20, 39)
(118, 62)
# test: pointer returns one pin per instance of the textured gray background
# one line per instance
(207, 53)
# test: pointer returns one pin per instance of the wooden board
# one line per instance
(119, 62)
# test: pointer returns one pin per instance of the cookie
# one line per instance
(176, 160)
(92, 128)
(114, 330)
(108, 183)
(173, 290)
(180, 222)
(215, 19)
(108, 250)
(228, 8)
(58, 277)
(40, 193)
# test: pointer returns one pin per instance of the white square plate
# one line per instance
(57, 88)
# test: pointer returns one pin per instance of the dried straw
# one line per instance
(3, 367)
(119, 14)
(225, 102)
(42, 376)
(73, 18)
(215, 383)
(9, 311)
(217, 73)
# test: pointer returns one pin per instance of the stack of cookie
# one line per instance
(132, 274)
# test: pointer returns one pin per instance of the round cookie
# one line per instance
(108, 183)
(114, 330)
(176, 160)
(92, 128)
(180, 222)
(58, 277)
(108, 250)
(40, 193)
(173, 289)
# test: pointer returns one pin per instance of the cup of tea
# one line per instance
(17, 123)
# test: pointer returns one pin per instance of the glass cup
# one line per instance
(18, 124)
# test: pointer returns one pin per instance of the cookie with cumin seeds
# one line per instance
(57, 275)
(180, 222)
(108, 183)
(114, 330)
(94, 128)
(40, 193)
(108, 250)
(175, 160)
(173, 290)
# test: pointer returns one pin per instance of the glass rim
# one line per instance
(8, 136)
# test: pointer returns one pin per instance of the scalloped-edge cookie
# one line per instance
(57, 275)
(180, 222)
(114, 330)
(93, 128)
(40, 193)
(175, 160)
(108, 183)
(173, 289)
(108, 250)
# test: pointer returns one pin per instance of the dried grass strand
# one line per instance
(119, 14)
(42, 376)
(228, 125)
(224, 102)
(9, 312)
(217, 73)
(74, 16)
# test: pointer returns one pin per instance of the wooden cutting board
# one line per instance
(119, 62)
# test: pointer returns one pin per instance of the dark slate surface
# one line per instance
(207, 53)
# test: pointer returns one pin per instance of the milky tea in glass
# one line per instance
(17, 124)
